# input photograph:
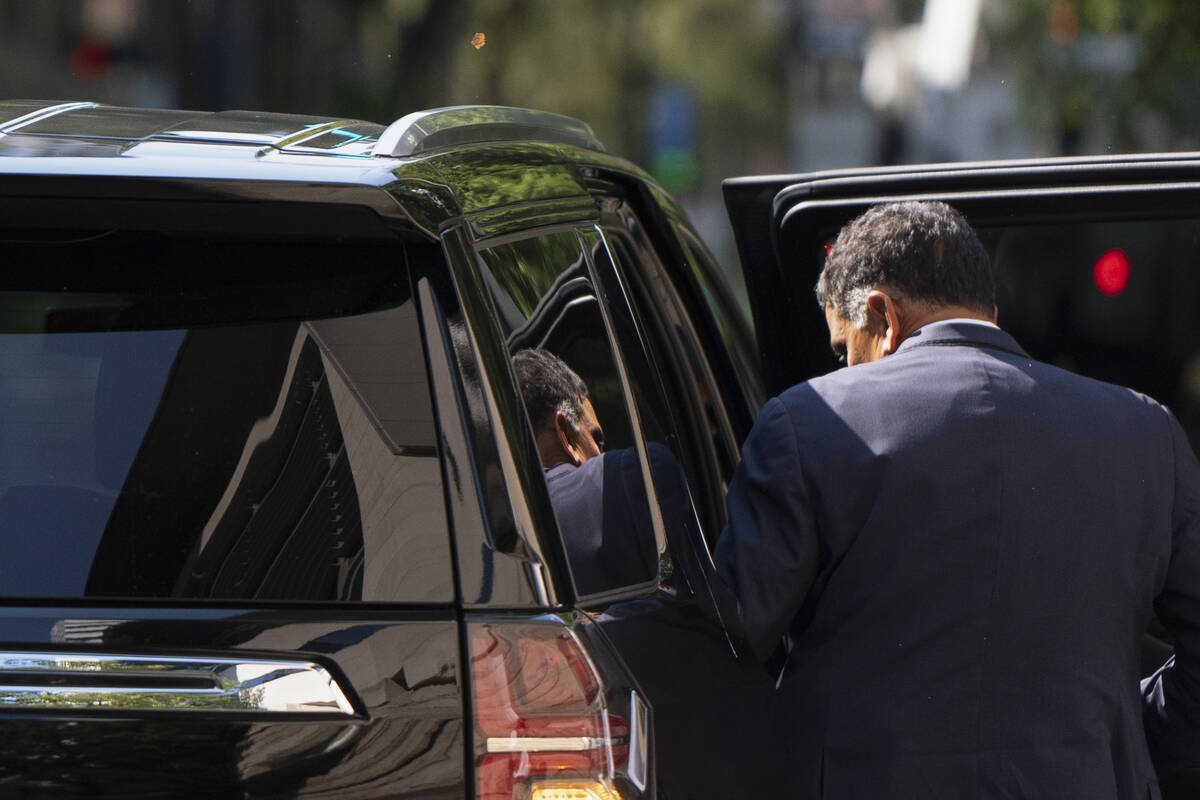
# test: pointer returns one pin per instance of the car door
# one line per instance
(1095, 264)
(633, 554)
(783, 224)
(225, 564)
(711, 695)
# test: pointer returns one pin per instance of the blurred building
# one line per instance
(889, 82)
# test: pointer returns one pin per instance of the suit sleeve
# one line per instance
(768, 552)
(1172, 695)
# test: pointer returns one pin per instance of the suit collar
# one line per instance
(966, 334)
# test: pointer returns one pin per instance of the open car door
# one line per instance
(1096, 264)
(1046, 224)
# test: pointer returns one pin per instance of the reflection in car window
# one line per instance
(735, 325)
(551, 315)
(691, 398)
(289, 460)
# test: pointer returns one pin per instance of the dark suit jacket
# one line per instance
(602, 511)
(965, 545)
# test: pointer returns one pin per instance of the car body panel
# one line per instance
(312, 189)
(405, 667)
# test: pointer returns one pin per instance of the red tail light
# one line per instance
(543, 726)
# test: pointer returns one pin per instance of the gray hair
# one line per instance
(548, 386)
(924, 252)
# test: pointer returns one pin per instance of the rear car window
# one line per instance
(215, 419)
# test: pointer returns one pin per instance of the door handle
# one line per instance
(107, 682)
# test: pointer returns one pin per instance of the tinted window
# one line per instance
(692, 403)
(224, 457)
(547, 301)
(732, 323)
(1112, 300)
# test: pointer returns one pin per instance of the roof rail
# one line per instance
(38, 111)
(425, 131)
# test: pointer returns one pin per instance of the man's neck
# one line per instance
(941, 314)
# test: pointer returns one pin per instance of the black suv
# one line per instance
(272, 516)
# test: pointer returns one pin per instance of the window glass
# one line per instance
(562, 354)
(291, 459)
(1112, 300)
(733, 322)
(691, 403)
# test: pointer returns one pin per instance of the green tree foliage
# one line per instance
(1126, 65)
(599, 62)
(378, 59)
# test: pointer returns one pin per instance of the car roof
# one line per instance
(87, 137)
(448, 161)
(90, 120)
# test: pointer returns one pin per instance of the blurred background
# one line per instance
(694, 91)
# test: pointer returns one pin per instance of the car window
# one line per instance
(734, 325)
(548, 305)
(689, 401)
(1112, 300)
(216, 437)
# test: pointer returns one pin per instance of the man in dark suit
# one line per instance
(600, 502)
(599, 497)
(964, 544)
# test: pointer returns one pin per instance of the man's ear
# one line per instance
(566, 434)
(884, 312)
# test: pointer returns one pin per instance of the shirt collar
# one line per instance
(961, 321)
(969, 332)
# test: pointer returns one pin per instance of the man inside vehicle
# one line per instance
(964, 544)
(599, 497)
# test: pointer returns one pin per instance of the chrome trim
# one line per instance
(538, 744)
(304, 134)
(44, 113)
(539, 580)
(101, 682)
(424, 131)
(639, 742)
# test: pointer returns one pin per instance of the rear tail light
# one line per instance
(546, 725)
